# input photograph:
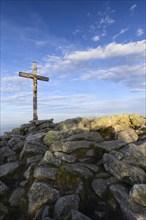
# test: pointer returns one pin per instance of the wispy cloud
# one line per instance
(103, 20)
(121, 32)
(140, 32)
(76, 31)
(106, 20)
(132, 9)
(11, 84)
(96, 38)
(131, 76)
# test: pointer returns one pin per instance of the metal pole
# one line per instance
(34, 66)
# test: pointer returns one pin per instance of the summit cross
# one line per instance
(35, 77)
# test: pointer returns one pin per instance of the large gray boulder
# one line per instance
(88, 136)
(135, 155)
(70, 146)
(8, 168)
(79, 169)
(6, 152)
(33, 148)
(127, 136)
(65, 204)
(15, 140)
(35, 137)
(123, 171)
(42, 173)
(39, 194)
(108, 146)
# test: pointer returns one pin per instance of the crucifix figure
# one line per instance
(35, 77)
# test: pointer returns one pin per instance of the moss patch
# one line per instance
(51, 137)
(80, 153)
(66, 182)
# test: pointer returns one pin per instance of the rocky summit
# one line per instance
(78, 169)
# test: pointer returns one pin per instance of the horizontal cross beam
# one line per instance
(31, 76)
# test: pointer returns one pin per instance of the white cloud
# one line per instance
(121, 32)
(140, 32)
(111, 50)
(127, 67)
(96, 38)
(132, 9)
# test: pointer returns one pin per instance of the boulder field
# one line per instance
(78, 169)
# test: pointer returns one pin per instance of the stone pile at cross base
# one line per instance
(79, 169)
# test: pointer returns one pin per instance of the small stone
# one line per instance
(16, 196)
(65, 204)
(91, 167)
(90, 153)
(100, 186)
(34, 159)
(6, 152)
(49, 158)
(76, 215)
(12, 158)
(100, 214)
(138, 194)
(3, 208)
(38, 136)
(52, 136)
(23, 183)
(12, 142)
(3, 188)
(18, 147)
(65, 157)
(118, 155)
(29, 172)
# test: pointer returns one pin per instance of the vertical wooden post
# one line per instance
(34, 66)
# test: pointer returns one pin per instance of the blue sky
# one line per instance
(92, 51)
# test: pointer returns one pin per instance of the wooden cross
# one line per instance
(35, 77)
